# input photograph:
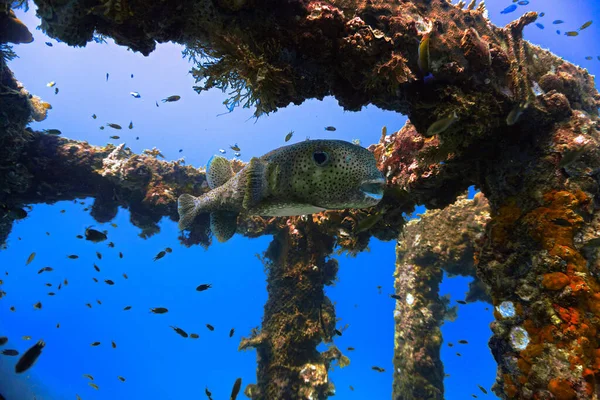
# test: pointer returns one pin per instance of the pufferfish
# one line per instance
(302, 178)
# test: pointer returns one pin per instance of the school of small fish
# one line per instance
(29, 356)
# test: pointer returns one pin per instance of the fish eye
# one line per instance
(321, 158)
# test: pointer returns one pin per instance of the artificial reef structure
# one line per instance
(486, 108)
(442, 240)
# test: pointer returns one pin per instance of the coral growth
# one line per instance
(525, 131)
(297, 317)
(441, 240)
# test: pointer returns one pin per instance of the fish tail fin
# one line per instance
(223, 224)
(188, 207)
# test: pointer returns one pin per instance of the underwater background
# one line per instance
(156, 362)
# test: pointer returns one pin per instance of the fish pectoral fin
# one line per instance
(223, 224)
(188, 208)
(218, 171)
(256, 182)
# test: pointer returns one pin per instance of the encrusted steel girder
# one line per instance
(441, 240)
(496, 111)
(298, 316)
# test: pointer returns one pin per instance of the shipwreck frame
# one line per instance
(528, 138)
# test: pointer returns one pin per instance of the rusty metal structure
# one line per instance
(439, 241)
(486, 108)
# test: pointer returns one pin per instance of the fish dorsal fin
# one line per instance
(257, 182)
(223, 225)
(218, 171)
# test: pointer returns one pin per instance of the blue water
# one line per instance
(156, 362)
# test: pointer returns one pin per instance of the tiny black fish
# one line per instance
(180, 331)
(231, 332)
(95, 236)
(378, 369)
(236, 388)
(73, 256)
(586, 25)
(30, 258)
(95, 344)
(171, 99)
(461, 302)
(396, 297)
(113, 344)
(97, 268)
(127, 308)
(159, 310)
(463, 342)
(203, 287)
(99, 255)
(210, 327)
(159, 255)
(29, 357)
(10, 352)
(3, 340)
(109, 282)
(350, 349)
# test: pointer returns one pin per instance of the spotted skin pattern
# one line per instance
(301, 178)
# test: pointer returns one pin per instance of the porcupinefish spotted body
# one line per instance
(302, 178)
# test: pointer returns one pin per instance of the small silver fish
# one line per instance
(515, 114)
(222, 151)
(135, 94)
(441, 125)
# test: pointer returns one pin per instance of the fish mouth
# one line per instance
(373, 188)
